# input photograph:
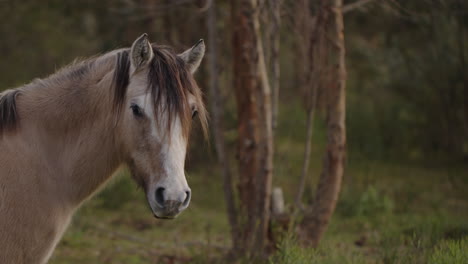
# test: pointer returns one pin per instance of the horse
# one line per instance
(63, 137)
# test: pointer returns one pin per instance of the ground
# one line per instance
(386, 214)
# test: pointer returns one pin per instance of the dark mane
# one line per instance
(170, 83)
(8, 110)
(8, 113)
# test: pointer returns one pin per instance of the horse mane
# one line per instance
(169, 83)
(73, 73)
(8, 113)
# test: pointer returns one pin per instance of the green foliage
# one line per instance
(290, 252)
(373, 202)
(412, 239)
(450, 251)
(40, 36)
(408, 81)
(369, 203)
(368, 143)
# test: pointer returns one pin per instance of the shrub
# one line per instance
(370, 203)
(289, 252)
(450, 251)
(373, 202)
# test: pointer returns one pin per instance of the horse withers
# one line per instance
(63, 137)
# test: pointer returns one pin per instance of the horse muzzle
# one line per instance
(168, 205)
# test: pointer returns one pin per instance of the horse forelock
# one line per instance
(121, 79)
(169, 84)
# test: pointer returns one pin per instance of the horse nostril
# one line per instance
(187, 198)
(160, 196)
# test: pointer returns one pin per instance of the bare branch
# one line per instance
(307, 151)
(355, 5)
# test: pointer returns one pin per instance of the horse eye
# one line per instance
(194, 113)
(136, 110)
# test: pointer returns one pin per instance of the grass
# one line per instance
(386, 214)
(124, 230)
(396, 214)
(452, 251)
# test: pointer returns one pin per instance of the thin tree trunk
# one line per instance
(307, 151)
(274, 35)
(217, 114)
(315, 58)
(266, 141)
(244, 85)
(255, 149)
(331, 177)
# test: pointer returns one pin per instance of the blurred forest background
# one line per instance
(404, 191)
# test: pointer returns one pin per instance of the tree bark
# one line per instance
(217, 124)
(255, 146)
(331, 177)
(274, 62)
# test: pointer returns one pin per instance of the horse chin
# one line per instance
(165, 217)
(164, 214)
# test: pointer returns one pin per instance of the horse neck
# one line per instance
(72, 131)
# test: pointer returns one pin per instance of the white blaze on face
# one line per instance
(173, 150)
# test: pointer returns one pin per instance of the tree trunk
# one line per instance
(255, 148)
(330, 179)
(266, 144)
(217, 124)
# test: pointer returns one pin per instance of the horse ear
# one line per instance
(194, 55)
(141, 53)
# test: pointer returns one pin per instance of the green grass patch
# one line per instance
(450, 251)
